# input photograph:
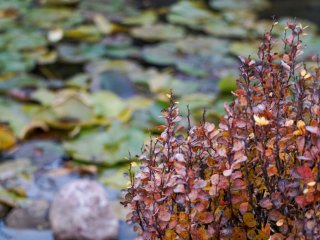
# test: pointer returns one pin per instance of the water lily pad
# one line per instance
(144, 18)
(163, 83)
(10, 199)
(196, 101)
(23, 39)
(163, 54)
(119, 46)
(40, 153)
(89, 33)
(244, 49)
(44, 96)
(193, 65)
(114, 81)
(239, 5)
(13, 114)
(21, 81)
(203, 46)
(193, 14)
(158, 32)
(107, 147)
(115, 178)
(116, 10)
(13, 167)
(147, 118)
(52, 17)
(11, 62)
(69, 109)
(7, 138)
(218, 105)
(129, 68)
(110, 106)
(227, 83)
(80, 80)
(222, 28)
(47, 57)
(80, 53)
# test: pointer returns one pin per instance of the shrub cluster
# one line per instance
(257, 176)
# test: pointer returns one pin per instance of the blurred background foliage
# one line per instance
(82, 82)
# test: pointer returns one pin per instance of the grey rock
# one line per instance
(81, 211)
(33, 215)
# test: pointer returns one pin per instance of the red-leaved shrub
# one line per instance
(255, 177)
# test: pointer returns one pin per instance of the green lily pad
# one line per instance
(218, 105)
(244, 49)
(221, 28)
(163, 54)
(193, 14)
(129, 68)
(114, 81)
(116, 10)
(44, 96)
(20, 81)
(60, 2)
(12, 168)
(163, 83)
(13, 114)
(80, 53)
(52, 17)
(88, 33)
(40, 153)
(68, 110)
(22, 39)
(193, 66)
(13, 62)
(204, 46)
(228, 83)
(196, 101)
(9, 198)
(144, 18)
(110, 106)
(47, 57)
(239, 5)
(80, 80)
(158, 32)
(120, 46)
(147, 118)
(106, 147)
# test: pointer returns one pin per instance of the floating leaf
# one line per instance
(163, 54)
(110, 106)
(80, 53)
(158, 32)
(192, 14)
(89, 33)
(7, 138)
(106, 147)
(239, 5)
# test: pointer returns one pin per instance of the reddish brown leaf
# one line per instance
(164, 216)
